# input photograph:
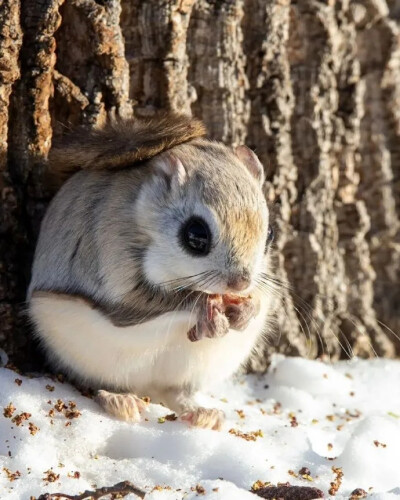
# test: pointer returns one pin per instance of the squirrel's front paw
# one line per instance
(240, 310)
(123, 406)
(205, 418)
(211, 321)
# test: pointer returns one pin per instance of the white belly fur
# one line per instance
(139, 358)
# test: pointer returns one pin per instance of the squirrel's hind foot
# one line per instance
(123, 406)
(205, 418)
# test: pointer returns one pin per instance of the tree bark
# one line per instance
(312, 86)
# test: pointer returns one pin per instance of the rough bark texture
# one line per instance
(312, 86)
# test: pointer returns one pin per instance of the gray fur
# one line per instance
(96, 233)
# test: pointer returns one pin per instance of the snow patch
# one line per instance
(301, 414)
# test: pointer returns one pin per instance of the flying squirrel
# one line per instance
(148, 273)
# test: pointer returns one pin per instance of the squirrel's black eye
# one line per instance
(270, 237)
(196, 236)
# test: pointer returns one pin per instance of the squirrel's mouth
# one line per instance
(223, 289)
(228, 297)
(239, 296)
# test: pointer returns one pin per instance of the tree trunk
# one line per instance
(312, 86)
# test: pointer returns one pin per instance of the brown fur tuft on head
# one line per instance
(120, 144)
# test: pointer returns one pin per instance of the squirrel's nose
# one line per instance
(239, 282)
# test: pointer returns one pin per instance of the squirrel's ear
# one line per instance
(170, 166)
(249, 158)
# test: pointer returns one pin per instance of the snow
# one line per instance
(301, 414)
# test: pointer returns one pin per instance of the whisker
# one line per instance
(183, 278)
(290, 288)
(388, 329)
(308, 310)
(192, 311)
(277, 293)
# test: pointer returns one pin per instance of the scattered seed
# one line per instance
(19, 419)
(358, 493)
(161, 488)
(259, 484)
(200, 490)
(248, 436)
(33, 428)
(277, 408)
(74, 475)
(355, 414)
(72, 414)
(9, 410)
(12, 476)
(60, 405)
(51, 476)
(336, 483)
